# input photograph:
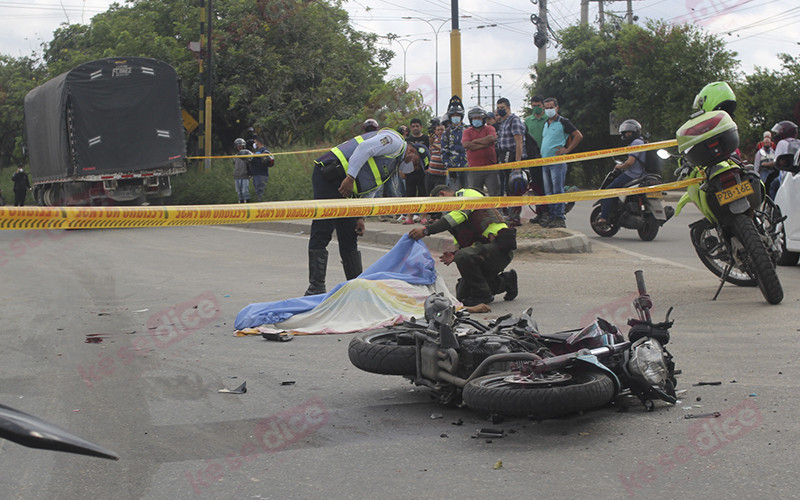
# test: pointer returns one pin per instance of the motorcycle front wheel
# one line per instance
(714, 254)
(757, 259)
(385, 351)
(606, 231)
(545, 396)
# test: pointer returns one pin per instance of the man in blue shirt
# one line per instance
(559, 137)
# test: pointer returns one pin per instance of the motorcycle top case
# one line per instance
(119, 114)
(708, 138)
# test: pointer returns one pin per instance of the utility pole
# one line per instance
(201, 115)
(455, 50)
(601, 17)
(477, 83)
(542, 28)
(209, 90)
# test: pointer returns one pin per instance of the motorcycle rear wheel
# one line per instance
(649, 229)
(607, 233)
(567, 391)
(700, 233)
(385, 351)
(757, 259)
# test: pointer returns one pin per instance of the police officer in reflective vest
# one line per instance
(485, 247)
(354, 168)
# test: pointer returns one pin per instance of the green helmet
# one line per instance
(716, 96)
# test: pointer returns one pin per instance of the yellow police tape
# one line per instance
(198, 215)
(570, 158)
(258, 155)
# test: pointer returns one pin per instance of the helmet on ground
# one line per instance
(424, 154)
(517, 183)
(716, 96)
(783, 129)
(439, 310)
(455, 109)
(477, 112)
(239, 142)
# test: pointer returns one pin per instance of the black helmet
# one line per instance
(630, 126)
(783, 129)
(455, 109)
(477, 112)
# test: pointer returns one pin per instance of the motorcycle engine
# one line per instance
(475, 349)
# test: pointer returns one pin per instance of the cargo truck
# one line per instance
(108, 132)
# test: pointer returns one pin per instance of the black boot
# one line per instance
(352, 264)
(317, 268)
(511, 284)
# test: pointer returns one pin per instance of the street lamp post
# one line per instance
(405, 51)
(436, 39)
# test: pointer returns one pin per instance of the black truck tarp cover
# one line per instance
(119, 114)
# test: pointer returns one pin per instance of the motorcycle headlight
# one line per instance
(647, 362)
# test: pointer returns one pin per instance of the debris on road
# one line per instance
(239, 390)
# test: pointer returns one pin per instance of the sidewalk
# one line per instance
(387, 233)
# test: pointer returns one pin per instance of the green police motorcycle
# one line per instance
(738, 238)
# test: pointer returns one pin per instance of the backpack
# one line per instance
(652, 162)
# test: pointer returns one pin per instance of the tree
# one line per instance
(284, 67)
(391, 104)
(649, 73)
(17, 77)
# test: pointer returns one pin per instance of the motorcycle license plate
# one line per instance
(733, 193)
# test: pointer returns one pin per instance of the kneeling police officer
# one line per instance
(485, 248)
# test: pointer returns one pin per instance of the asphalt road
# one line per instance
(125, 337)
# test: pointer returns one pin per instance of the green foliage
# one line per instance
(390, 103)
(289, 179)
(648, 73)
(17, 77)
(765, 98)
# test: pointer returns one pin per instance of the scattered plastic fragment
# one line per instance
(753, 395)
(435, 416)
(490, 433)
(458, 422)
(707, 383)
(239, 390)
(227, 295)
(584, 433)
(278, 337)
(498, 465)
(288, 382)
(713, 414)
(141, 310)
(443, 435)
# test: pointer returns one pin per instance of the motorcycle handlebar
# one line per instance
(640, 282)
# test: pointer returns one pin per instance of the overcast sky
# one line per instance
(496, 37)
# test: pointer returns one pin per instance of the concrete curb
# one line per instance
(387, 233)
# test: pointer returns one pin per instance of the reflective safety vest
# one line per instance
(380, 167)
(470, 226)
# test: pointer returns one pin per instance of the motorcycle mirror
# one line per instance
(663, 154)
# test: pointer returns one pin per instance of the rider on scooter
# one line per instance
(631, 169)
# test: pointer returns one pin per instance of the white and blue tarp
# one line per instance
(390, 291)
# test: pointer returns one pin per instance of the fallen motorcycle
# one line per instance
(509, 367)
(643, 212)
(739, 238)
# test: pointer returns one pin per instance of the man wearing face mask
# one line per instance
(479, 140)
(534, 124)
(510, 148)
(453, 153)
(559, 137)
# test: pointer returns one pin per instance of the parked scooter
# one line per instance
(739, 237)
(643, 212)
(509, 367)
